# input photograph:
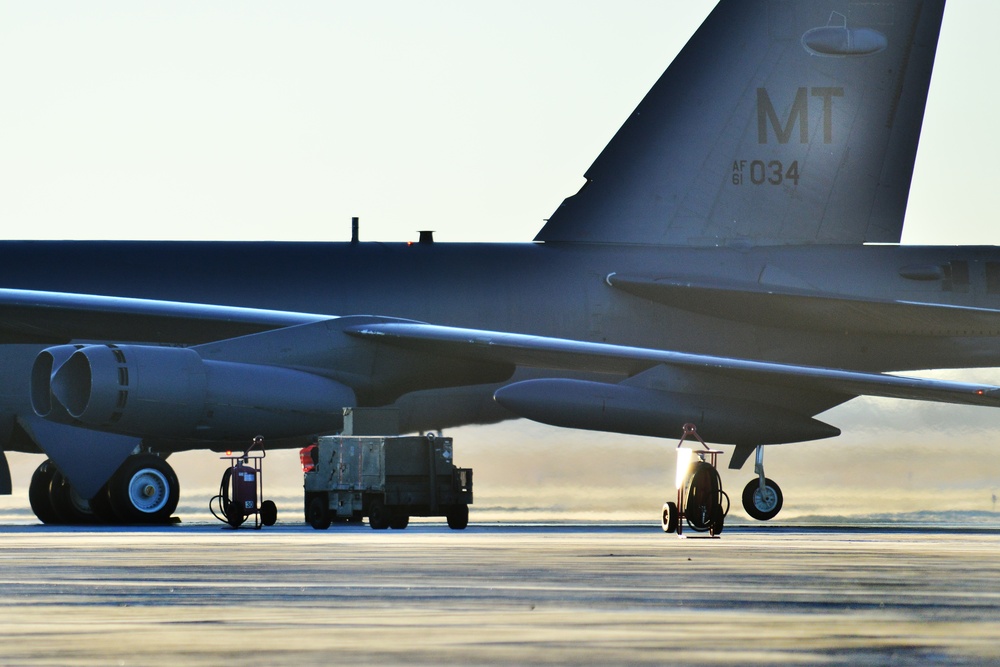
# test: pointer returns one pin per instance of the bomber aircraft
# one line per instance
(732, 261)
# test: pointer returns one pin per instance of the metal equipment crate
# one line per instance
(385, 478)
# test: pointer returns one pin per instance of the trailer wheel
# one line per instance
(670, 516)
(399, 521)
(268, 513)
(458, 517)
(318, 514)
(378, 516)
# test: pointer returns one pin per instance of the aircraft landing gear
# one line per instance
(761, 497)
(144, 490)
(38, 492)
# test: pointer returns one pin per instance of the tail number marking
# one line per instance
(760, 172)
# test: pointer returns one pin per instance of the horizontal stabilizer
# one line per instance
(800, 309)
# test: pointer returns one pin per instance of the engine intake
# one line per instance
(173, 393)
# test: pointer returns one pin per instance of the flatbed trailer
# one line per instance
(387, 479)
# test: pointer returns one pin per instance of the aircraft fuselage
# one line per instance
(558, 290)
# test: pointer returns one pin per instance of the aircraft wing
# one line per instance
(557, 353)
(32, 316)
(28, 316)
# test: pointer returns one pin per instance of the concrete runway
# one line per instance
(516, 594)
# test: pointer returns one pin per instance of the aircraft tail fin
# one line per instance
(778, 123)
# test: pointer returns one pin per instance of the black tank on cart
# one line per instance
(241, 488)
(701, 503)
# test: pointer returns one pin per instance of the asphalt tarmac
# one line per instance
(498, 594)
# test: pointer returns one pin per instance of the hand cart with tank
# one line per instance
(241, 488)
(701, 503)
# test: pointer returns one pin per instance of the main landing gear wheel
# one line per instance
(762, 503)
(38, 492)
(69, 506)
(100, 507)
(54, 501)
(144, 490)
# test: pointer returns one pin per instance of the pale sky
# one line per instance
(264, 120)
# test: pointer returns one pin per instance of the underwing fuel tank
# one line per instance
(618, 408)
(173, 393)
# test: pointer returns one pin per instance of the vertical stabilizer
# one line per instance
(780, 122)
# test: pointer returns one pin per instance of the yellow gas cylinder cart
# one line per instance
(701, 503)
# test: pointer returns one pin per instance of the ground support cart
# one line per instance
(385, 478)
(241, 488)
(701, 502)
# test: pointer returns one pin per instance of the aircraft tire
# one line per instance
(100, 506)
(458, 517)
(144, 490)
(69, 507)
(268, 513)
(762, 506)
(318, 513)
(378, 516)
(38, 492)
(399, 521)
(670, 516)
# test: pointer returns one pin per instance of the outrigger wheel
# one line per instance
(761, 497)
(762, 501)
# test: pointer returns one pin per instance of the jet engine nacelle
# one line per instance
(169, 392)
(618, 408)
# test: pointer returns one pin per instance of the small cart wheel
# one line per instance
(718, 519)
(235, 516)
(268, 513)
(319, 515)
(670, 515)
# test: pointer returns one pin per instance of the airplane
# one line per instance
(732, 261)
